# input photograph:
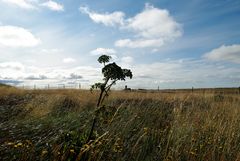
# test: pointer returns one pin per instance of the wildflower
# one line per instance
(72, 151)
(44, 152)
(86, 146)
(193, 153)
(145, 129)
(118, 147)
(10, 143)
(19, 144)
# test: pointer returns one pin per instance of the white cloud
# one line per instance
(154, 23)
(68, 60)
(13, 36)
(51, 51)
(225, 53)
(12, 65)
(153, 27)
(108, 19)
(127, 59)
(154, 50)
(101, 51)
(26, 4)
(53, 6)
(139, 43)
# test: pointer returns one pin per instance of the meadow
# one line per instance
(132, 126)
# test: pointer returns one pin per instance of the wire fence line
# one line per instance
(53, 86)
(233, 90)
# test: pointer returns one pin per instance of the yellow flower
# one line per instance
(72, 150)
(19, 144)
(44, 152)
(145, 129)
(193, 153)
(10, 143)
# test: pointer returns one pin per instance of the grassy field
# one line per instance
(177, 126)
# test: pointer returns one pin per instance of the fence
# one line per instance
(233, 90)
(53, 86)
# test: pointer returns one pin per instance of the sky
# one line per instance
(166, 43)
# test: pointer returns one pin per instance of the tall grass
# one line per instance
(53, 125)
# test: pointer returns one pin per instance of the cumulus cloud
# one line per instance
(25, 4)
(53, 6)
(153, 27)
(14, 36)
(101, 51)
(108, 19)
(229, 53)
(68, 60)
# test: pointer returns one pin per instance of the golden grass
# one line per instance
(132, 126)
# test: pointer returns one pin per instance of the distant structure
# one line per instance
(126, 88)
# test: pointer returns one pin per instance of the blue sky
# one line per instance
(170, 44)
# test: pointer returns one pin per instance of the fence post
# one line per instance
(192, 89)
(79, 86)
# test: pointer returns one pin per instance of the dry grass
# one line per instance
(53, 125)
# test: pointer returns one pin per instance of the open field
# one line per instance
(54, 124)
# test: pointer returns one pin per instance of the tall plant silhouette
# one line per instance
(111, 74)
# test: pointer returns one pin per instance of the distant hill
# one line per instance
(4, 85)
